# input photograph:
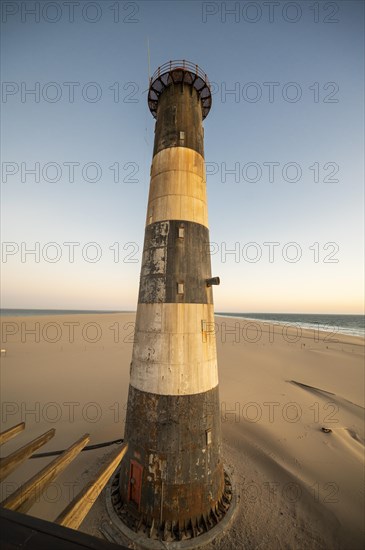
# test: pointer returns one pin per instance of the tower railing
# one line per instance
(180, 64)
(179, 71)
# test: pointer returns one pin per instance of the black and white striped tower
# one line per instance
(172, 483)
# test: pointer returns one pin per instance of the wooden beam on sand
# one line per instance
(74, 514)
(24, 497)
(12, 461)
(11, 432)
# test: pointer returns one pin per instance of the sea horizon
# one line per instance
(344, 323)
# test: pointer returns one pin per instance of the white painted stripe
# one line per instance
(174, 352)
(178, 182)
(177, 207)
(178, 158)
(177, 187)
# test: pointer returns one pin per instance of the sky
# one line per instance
(284, 149)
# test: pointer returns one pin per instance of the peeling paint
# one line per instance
(173, 395)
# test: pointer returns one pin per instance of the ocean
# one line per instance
(345, 324)
(353, 325)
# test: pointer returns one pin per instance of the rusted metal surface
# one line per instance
(213, 281)
(172, 483)
(176, 529)
(168, 259)
(179, 119)
(183, 472)
(179, 72)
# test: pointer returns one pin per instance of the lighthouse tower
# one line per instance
(172, 484)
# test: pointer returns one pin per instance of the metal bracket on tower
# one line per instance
(213, 281)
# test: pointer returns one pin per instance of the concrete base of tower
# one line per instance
(196, 533)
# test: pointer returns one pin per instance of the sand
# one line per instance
(298, 487)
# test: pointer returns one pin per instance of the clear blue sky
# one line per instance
(296, 114)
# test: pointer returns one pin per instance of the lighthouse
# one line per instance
(172, 484)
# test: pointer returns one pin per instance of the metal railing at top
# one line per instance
(179, 64)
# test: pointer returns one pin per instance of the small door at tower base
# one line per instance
(135, 483)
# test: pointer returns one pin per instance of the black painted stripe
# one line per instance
(169, 259)
(167, 436)
(179, 119)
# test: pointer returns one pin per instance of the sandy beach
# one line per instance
(298, 486)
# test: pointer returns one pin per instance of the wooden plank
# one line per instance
(74, 514)
(12, 461)
(24, 497)
(11, 432)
